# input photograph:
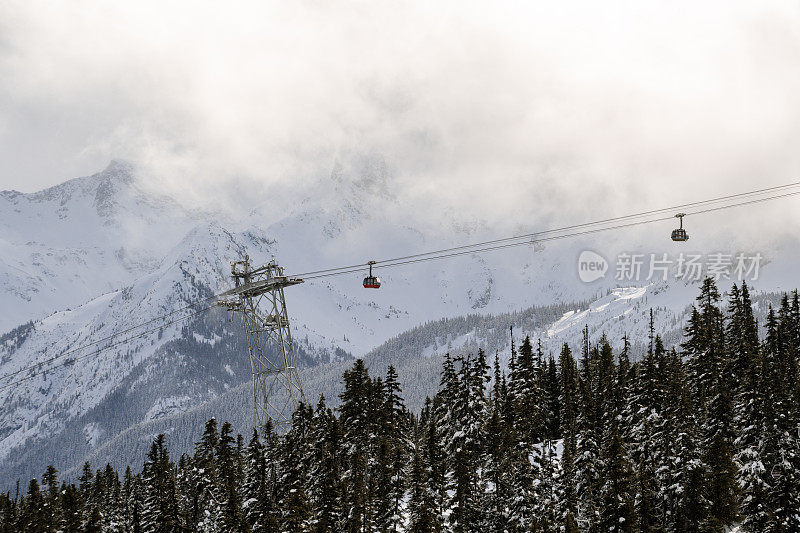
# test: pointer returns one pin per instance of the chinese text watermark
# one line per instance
(661, 266)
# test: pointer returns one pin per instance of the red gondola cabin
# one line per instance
(372, 282)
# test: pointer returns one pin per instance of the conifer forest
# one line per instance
(697, 437)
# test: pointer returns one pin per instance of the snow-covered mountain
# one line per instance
(94, 256)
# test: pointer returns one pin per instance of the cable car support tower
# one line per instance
(258, 295)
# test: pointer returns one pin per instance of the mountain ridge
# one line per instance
(67, 282)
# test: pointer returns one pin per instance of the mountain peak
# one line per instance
(117, 173)
(374, 176)
(119, 169)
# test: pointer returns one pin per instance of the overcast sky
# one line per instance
(477, 102)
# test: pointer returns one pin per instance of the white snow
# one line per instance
(93, 256)
(164, 407)
(92, 432)
(206, 340)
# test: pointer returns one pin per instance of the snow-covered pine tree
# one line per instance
(709, 365)
(445, 400)
(325, 484)
(377, 454)
(159, 506)
(205, 513)
(86, 489)
(131, 502)
(661, 424)
(524, 388)
(587, 458)
(497, 470)
(228, 479)
(357, 440)
(687, 504)
(525, 432)
(741, 338)
(94, 522)
(609, 408)
(496, 394)
(295, 466)
(782, 432)
(32, 509)
(645, 412)
(112, 508)
(751, 413)
(466, 447)
(567, 491)
(258, 514)
(434, 460)
(752, 476)
(187, 491)
(646, 500)
(52, 509)
(616, 504)
(395, 447)
(552, 400)
(547, 489)
(8, 512)
(421, 514)
(616, 513)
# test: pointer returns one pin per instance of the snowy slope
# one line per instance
(95, 255)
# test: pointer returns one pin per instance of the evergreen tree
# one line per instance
(8, 513)
(111, 497)
(646, 499)
(159, 508)
(325, 475)
(422, 515)
(587, 459)
(394, 451)
(527, 397)
(568, 498)
(51, 507)
(358, 441)
(752, 412)
(552, 400)
(434, 461)
(205, 505)
(616, 494)
(227, 459)
(498, 472)
(466, 446)
(32, 515)
(257, 506)
(131, 504)
(71, 509)
(546, 490)
(710, 367)
(94, 523)
(295, 453)
(780, 453)
(690, 442)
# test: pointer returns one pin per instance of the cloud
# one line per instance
(509, 111)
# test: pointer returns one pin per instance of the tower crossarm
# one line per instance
(257, 288)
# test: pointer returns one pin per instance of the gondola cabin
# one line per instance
(679, 234)
(372, 282)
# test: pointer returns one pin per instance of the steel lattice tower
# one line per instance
(258, 296)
